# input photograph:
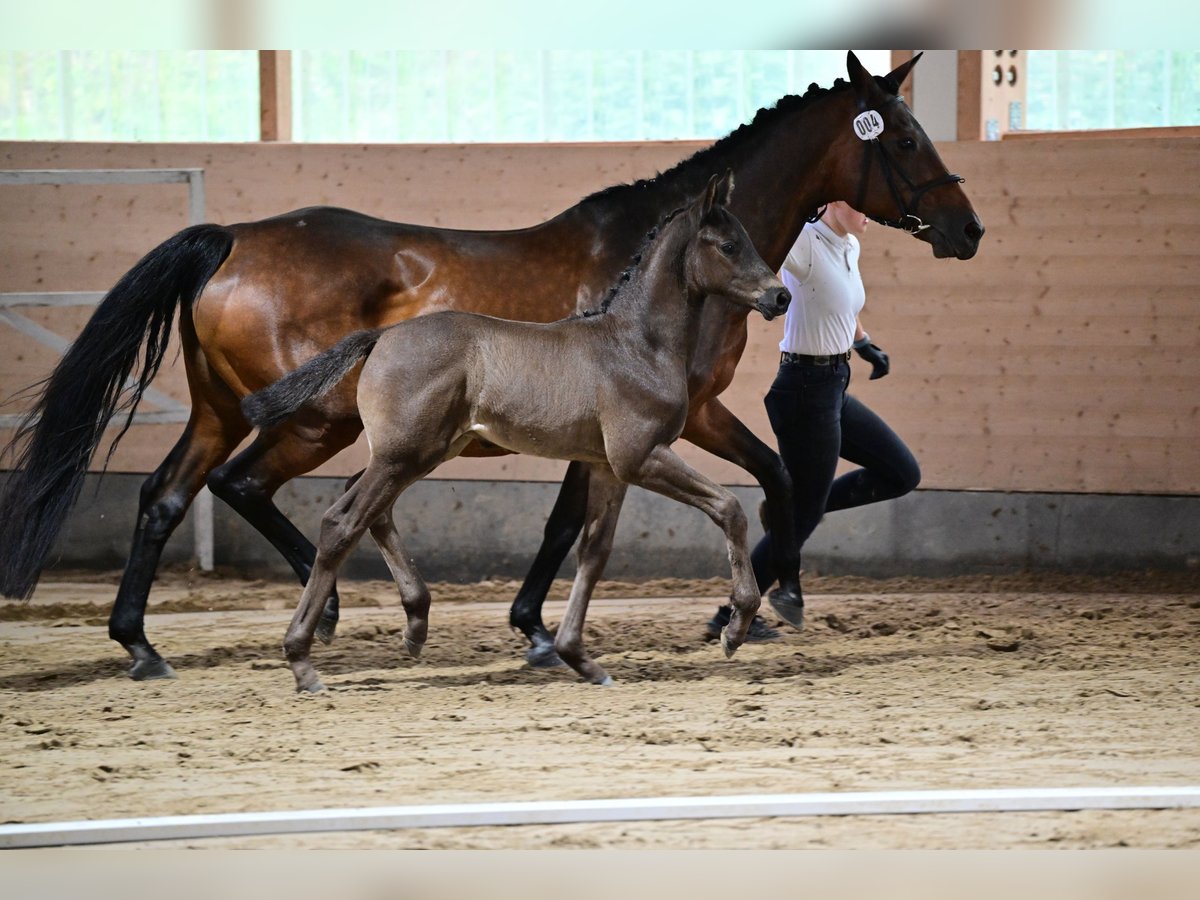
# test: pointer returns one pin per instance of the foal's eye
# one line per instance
(728, 248)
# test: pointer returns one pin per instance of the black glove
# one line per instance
(872, 354)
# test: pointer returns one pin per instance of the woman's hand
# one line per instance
(880, 365)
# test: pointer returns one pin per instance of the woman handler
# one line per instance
(814, 419)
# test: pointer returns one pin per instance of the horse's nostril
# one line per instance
(783, 298)
(974, 229)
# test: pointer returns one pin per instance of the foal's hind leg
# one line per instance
(414, 593)
(248, 483)
(341, 528)
(605, 496)
(665, 473)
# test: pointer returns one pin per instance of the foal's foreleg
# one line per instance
(605, 496)
(341, 528)
(414, 593)
(714, 428)
(665, 473)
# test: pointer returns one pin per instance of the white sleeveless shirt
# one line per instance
(821, 272)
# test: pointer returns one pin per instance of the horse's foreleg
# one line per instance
(665, 473)
(714, 428)
(605, 496)
(341, 528)
(414, 593)
(248, 483)
(165, 498)
(562, 528)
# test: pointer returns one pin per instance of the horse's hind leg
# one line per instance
(248, 483)
(605, 496)
(562, 528)
(414, 593)
(369, 497)
(665, 473)
(165, 497)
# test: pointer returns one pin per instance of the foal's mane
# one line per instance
(630, 270)
(700, 165)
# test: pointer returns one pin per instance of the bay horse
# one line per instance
(430, 386)
(258, 299)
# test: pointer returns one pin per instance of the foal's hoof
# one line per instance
(606, 681)
(151, 669)
(728, 645)
(310, 686)
(413, 648)
(789, 605)
(327, 628)
(542, 656)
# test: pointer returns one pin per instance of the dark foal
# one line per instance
(430, 386)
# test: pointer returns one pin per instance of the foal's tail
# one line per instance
(58, 437)
(274, 403)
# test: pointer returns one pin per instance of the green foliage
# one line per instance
(510, 96)
(129, 95)
(1075, 89)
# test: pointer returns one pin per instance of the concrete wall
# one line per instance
(472, 529)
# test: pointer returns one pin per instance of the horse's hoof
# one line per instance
(542, 656)
(312, 686)
(789, 605)
(606, 681)
(326, 629)
(727, 645)
(413, 648)
(151, 669)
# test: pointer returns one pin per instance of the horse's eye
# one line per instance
(907, 144)
(728, 247)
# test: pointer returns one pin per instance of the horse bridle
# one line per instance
(909, 221)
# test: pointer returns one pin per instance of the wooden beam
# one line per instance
(1167, 131)
(970, 95)
(991, 93)
(275, 95)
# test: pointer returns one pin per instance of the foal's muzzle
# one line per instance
(774, 303)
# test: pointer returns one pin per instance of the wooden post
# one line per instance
(899, 58)
(991, 93)
(275, 95)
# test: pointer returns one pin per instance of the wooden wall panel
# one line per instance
(1064, 357)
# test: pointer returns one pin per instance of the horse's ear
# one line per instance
(860, 78)
(900, 73)
(710, 195)
(725, 188)
(717, 193)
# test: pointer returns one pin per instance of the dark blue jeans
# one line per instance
(816, 422)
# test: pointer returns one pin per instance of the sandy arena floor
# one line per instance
(983, 682)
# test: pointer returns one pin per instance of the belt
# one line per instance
(805, 360)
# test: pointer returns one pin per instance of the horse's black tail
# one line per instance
(274, 403)
(58, 437)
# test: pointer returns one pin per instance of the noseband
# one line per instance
(909, 221)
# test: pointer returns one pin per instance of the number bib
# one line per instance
(868, 125)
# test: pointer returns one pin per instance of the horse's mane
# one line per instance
(630, 270)
(701, 162)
